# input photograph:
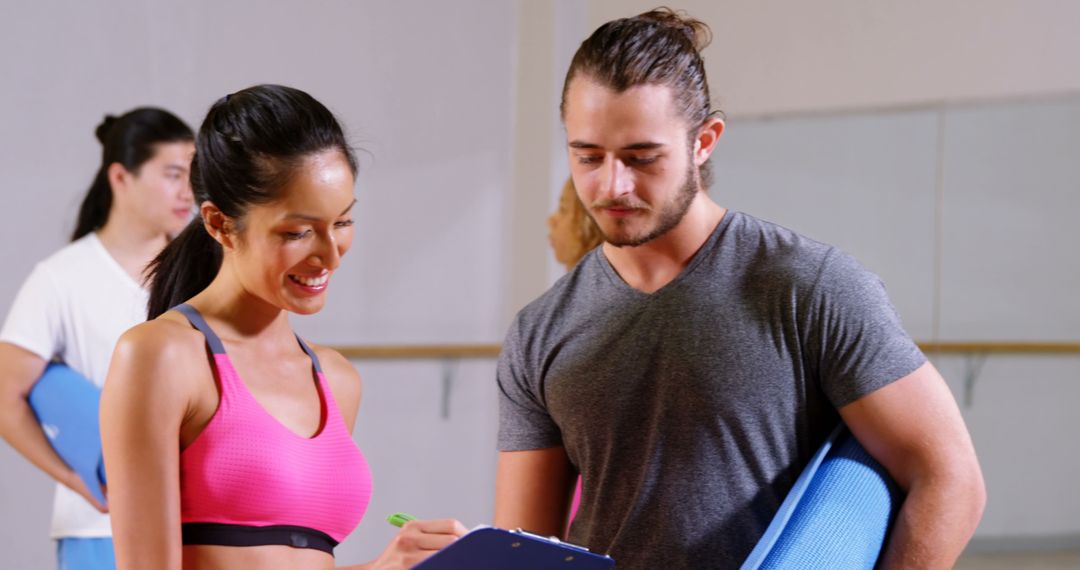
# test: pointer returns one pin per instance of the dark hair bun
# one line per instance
(696, 31)
(102, 130)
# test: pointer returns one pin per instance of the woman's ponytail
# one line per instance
(186, 266)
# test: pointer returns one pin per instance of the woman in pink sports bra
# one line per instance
(227, 438)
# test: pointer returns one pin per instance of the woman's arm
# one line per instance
(143, 406)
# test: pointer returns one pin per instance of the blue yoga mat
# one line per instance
(837, 515)
(66, 404)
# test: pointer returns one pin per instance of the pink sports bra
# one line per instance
(247, 480)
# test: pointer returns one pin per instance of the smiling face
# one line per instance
(287, 250)
(630, 158)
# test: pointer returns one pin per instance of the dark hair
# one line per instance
(129, 140)
(659, 47)
(249, 146)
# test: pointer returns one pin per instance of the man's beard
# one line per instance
(670, 213)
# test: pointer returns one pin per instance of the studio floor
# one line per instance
(1041, 560)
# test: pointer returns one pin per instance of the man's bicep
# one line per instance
(856, 341)
(912, 426)
(524, 419)
(534, 478)
(533, 490)
(20, 369)
(35, 321)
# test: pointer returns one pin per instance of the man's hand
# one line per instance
(76, 483)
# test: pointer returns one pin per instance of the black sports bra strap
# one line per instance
(310, 353)
(199, 322)
(217, 347)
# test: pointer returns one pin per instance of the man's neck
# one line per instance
(131, 245)
(651, 266)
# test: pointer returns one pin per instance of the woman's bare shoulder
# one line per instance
(167, 336)
(166, 346)
(332, 360)
(340, 373)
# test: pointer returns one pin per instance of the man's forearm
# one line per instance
(935, 523)
(20, 429)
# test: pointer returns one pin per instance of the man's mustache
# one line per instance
(621, 202)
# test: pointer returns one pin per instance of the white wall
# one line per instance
(456, 103)
(774, 56)
(432, 106)
(426, 90)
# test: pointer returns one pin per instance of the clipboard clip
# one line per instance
(552, 539)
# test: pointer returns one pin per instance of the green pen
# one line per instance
(399, 519)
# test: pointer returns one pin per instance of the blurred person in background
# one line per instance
(572, 233)
(76, 303)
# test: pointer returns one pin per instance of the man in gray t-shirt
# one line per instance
(703, 399)
(689, 367)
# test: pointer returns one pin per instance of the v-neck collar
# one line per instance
(112, 262)
(695, 260)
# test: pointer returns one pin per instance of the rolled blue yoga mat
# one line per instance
(66, 404)
(837, 515)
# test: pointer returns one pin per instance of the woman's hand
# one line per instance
(418, 540)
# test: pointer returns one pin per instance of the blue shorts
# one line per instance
(85, 554)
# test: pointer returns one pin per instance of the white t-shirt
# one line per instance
(73, 307)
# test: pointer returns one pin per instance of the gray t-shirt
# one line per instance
(691, 411)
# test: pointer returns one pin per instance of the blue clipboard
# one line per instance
(66, 405)
(488, 548)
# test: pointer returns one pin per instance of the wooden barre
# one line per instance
(449, 351)
(1001, 347)
(408, 352)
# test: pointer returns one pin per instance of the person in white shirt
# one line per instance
(76, 303)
